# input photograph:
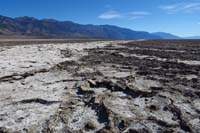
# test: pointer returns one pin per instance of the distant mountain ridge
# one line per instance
(192, 37)
(166, 35)
(29, 26)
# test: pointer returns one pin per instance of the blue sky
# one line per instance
(180, 17)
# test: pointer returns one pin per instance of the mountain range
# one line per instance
(50, 28)
(29, 26)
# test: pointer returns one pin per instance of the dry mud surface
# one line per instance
(103, 87)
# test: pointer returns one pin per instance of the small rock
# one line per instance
(90, 126)
(92, 82)
(85, 88)
(104, 131)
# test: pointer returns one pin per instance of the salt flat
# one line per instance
(26, 74)
(99, 86)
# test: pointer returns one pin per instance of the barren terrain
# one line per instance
(100, 86)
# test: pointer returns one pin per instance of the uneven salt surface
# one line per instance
(104, 86)
(17, 59)
(48, 85)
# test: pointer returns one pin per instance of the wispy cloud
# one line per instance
(129, 15)
(138, 14)
(110, 15)
(181, 7)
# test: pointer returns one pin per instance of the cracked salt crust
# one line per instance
(21, 59)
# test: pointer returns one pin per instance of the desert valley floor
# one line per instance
(100, 86)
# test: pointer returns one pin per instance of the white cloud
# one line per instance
(130, 15)
(170, 7)
(181, 7)
(110, 15)
(138, 15)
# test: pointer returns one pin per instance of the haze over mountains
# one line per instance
(166, 35)
(50, 28)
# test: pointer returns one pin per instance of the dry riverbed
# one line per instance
(100, 86)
